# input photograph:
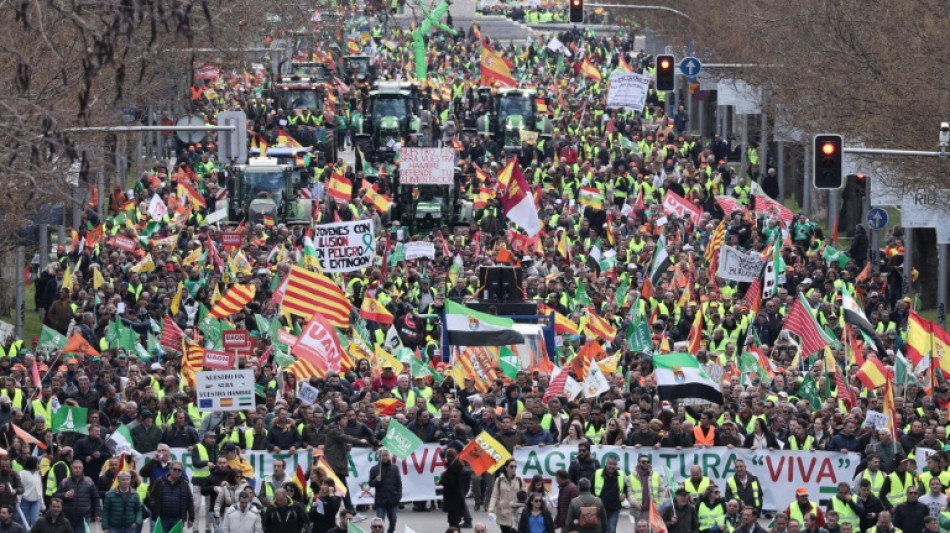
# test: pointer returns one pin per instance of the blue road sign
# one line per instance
(690, 66)
(877, 219)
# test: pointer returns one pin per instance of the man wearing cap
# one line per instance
(146, 436)
(680, 516)
(802, 507)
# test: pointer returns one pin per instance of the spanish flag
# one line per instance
(494, 69)
(457, 145)
(375, 311)
(340, 188)
(919, 342)
(381, 202)
(873, 373)
(388, 406)
(562, 324)
(623, 65)
(590, 71)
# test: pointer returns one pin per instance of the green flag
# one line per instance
(69, 418)
(263, 325)
(157, 528)
(749, 364)
(580, 294)
(621, 295)
(353, 528)
(809, 391)
(509, 362)
(118, 335)
(398, 254)
(50, 339)
(832, 255)
(178, 528)
(400, 441)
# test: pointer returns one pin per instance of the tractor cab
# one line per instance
(358, 68)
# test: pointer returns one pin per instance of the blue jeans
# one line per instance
(78, 524)
(612, 521)
(31, 511)
(388, 511)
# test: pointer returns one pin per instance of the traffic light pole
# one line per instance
(943, 250)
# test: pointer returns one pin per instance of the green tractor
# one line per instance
(357, 68)
(422, 208)
(295, 93)
(390, 116)
(264, 187)
(511, 111)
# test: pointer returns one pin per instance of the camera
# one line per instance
(944, 133)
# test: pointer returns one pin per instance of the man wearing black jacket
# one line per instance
(386, 479)
(284, 515)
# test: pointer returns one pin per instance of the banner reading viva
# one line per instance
(780, 472)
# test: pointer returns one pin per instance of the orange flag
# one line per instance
(78, 344)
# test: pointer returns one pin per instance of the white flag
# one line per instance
(596, 383)
(157, 208)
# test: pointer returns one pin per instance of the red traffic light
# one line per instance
(829, 148)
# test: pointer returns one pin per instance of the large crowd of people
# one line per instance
(117, 298)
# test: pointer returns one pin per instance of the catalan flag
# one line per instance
(477, 362)
(194, 354)
(715, 242)
(590, 71)
(592, 324)
(495, 69)
(340, 187)
(233, 301)
(309, 292)
(381, 202)
(375, 311)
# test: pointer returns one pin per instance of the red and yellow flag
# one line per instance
(381, 202)
(696, 334)
(592, 324)
(375, 311)
(494, 69)
(388, 406)
(484, 454)
(562, 324)
(873, 373)
(340, 187)
(233, 301)
(590, 71)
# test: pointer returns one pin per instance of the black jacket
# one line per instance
(581, 469)
(46, 524)
(289, 519)
(85, 501)
(172, 500)
(389, 487)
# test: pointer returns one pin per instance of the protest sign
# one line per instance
(736, 265)
(231, 239)
(225, 390)
(628, 90)
(307, 393)
(236, 339)
(345, 246)
(430, 166)
(417, 249)
(876, 420)
(218, 360)
(124, 243)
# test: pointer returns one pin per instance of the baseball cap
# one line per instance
(801, 491)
